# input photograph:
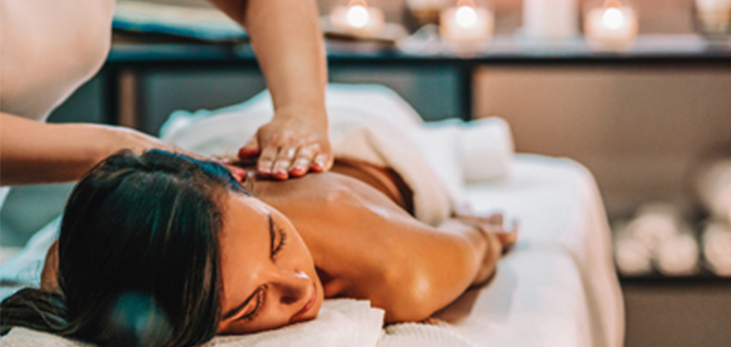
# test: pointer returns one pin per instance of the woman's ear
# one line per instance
(49, 279)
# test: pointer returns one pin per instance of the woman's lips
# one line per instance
(308, 306)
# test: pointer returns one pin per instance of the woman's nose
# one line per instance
(293, 286)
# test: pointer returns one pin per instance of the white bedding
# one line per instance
(558, 286)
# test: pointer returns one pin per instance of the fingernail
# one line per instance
(239, 174)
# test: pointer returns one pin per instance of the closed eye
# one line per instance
(259, 302)
(275, 231)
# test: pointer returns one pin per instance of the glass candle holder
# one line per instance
(713, 18)
(467, 25)
(610, 25)
(550, 19)
(358, 18)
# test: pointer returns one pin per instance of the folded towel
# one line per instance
(654, 224)
(435, 334)
(26, 266)
(341, 322)
(678, 256)
(717, 248)
(199, 23)
(631, 256)
(713, 187)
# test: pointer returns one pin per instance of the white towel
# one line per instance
(631, 256)
(713, 186)
(422, 335)
(26, 266)
(717, 248)
(341, 322)
(678, 256)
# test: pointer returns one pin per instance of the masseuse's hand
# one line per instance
(291, 145)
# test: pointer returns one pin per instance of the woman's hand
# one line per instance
(291, 145)
(499, 240)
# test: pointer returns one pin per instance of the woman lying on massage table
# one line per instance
(197, 250)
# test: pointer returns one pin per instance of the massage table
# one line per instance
(556, 287)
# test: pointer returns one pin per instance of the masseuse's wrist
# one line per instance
(313, 112)
(119, 138)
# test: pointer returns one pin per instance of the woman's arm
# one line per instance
(288, 43)
(434, 266)
(36, 152)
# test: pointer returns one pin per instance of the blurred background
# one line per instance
(643, 123)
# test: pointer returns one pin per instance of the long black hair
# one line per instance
(139, 258)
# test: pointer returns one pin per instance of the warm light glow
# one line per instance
(358, 16)
(613, 18)
(466, 17)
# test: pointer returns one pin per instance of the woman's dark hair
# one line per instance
(138, 255)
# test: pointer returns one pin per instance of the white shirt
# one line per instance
(48, 48)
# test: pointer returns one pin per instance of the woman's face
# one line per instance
(269, 277)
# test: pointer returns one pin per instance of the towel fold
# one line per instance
(716, 243)
(631, 256)
(713, 187)
(341, 322)
(678, 256)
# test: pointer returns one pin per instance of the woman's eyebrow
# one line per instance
(234, 311)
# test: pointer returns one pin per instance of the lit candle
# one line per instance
(358, 18)
(611, 27)
(550, 19)
(466, 24)
(714, 16)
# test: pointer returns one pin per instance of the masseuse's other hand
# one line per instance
(291, 145)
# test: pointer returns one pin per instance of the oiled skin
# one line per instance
(367, 247)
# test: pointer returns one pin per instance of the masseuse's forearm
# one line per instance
(34, 152)
(287, 41)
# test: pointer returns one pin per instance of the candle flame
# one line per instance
(613, 18)
(466, 17)
(357, 16)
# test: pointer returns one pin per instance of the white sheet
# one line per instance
(561, 218)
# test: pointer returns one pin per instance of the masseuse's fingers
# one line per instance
(283, 162)
(238, 173)
(250, 150)
(302, 161)
(323, 162)
(265, 165)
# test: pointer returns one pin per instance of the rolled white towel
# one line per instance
(677, 256)
(654, 224)
(631, 256)
(713, 186)
(485, 149)
(716, 243)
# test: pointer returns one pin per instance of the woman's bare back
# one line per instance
(366, 246)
